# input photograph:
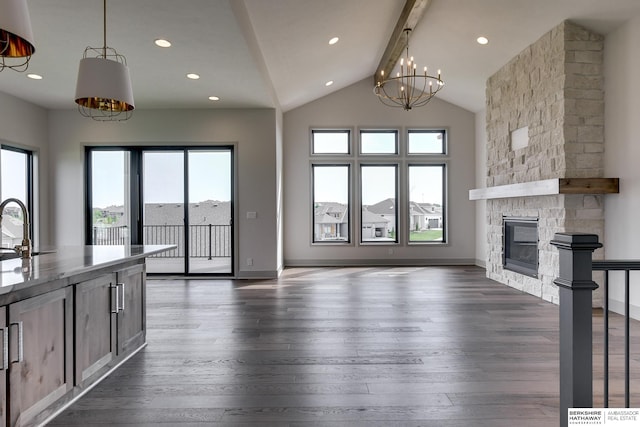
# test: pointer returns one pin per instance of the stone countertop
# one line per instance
(65, 262)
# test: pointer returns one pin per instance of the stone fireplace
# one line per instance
(545, 127)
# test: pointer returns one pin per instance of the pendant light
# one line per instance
(409, 88)
(16, 36)
(103, 89)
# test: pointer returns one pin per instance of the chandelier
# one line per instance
(103, 89)
(16, 36)
(408, 88)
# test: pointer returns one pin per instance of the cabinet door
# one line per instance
(95, 331)
(4, 365)
(41, 354)
(131, 308)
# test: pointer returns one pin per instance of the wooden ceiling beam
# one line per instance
(411, 14)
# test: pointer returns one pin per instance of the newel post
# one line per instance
(575, 290)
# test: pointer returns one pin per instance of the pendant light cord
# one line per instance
(104, 26)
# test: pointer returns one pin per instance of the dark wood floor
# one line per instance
(350, 347)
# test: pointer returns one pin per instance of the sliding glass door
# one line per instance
(209, 211)
(180, 196)
(163, 208)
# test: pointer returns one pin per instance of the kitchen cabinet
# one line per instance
(66, 320)
(131, 304)
(40, 354)
(95, 331)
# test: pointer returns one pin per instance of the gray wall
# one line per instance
(24, 125)
(354, 107)
(253, 132)
(622, 153)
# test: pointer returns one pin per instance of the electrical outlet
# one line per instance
(390, 251)
(249, 261)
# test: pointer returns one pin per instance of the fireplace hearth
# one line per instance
(520, 245)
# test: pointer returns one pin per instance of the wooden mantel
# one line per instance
(548, 187)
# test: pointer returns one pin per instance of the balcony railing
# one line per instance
(205, 241)
(576, 336)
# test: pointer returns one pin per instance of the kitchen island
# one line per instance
(67, 318)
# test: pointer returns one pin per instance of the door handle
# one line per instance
(114, 299)
(20, 341)
(5, 349)
(121, 299)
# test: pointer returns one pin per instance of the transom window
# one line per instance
(426, 142)
(379, 142)
(330, 141)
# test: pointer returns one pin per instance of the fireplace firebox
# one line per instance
(520, 245)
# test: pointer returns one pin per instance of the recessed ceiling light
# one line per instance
(193, 76)
(334, 40)
(162, 43)
(329, 83)
(214, 98)
(482, 40)
(34, 76)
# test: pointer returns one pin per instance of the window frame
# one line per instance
(29, 188)
(445, 141)
(349, 213)
(445, 208)
(398, 206)
(349, 133)
(396, 132)
(402, 160)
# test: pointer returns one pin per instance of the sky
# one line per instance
(163, 177)
(13, 165)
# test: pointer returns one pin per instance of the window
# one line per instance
(426, 142)
(426, 203)
(110, 197)
(399, 178)
(16, 178)
(330, 141)
(331, 210)
(379, 142)
(379, 203)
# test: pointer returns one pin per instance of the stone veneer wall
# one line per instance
(555, 87)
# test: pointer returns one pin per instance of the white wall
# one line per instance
(622, 151)
(24, 125)
(481, 182)
(253, 132)
(356, 106)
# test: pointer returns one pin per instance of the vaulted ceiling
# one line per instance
(268, 53)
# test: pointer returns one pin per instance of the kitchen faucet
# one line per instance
(23, 250)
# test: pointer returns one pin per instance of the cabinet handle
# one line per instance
(20, 342)
(114, 299)
(121, 307)
(5, 349)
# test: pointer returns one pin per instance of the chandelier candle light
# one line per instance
(16, 36)
(408, 88)
(103, 89)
